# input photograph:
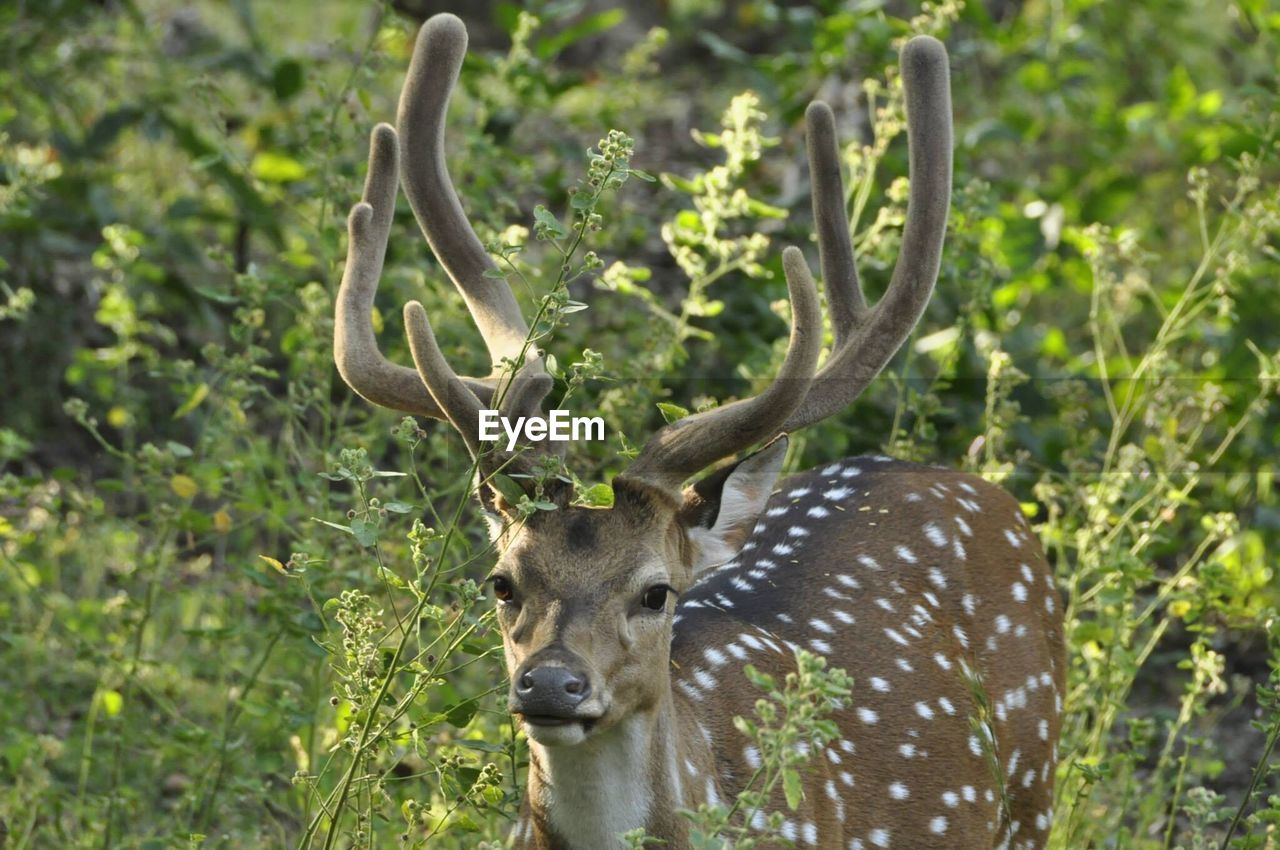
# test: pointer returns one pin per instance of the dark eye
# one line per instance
(655, 598)
(502, 590)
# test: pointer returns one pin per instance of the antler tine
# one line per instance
(433, 72)
(845, 301)
(454, 395)
(689, 445)
(866, 339)
(461, 406)
(355, 349)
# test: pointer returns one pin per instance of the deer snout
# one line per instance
(550, 691)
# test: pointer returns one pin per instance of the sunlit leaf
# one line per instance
(597, 495)
(184, 486)
(277, 167)
(112, 702)
(672, 412)
(792, 787)
(275, 564)
(196, 396)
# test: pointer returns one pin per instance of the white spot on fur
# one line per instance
(935, 534)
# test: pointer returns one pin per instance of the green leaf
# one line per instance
(507, 486)
(184, 486)
(425, 723)
(177, 449)
(399, 507)
(215, 295)
(548, 47)
(277, 167)
(680, 184)
(476, 647)
(112, 702)
(792, 788)
(544, 217)
(342, 528)
(199, 394)
(274, 563)
(710, 140)
(672, 412)
(365, 532)
(464, 822)
(481, 746)
(688, 220)
(762, 210)
(286, 78)
(723, 49)
(597, 495)
(391, 578)
(460, 715)
(939, 341)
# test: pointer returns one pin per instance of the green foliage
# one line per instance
(789, 726)
(239, 608)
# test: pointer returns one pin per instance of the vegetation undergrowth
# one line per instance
(239, 608)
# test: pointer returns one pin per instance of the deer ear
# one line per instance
(497, 513)
(721, 510)
(499, 497)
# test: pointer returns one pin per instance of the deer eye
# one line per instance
(502, 589)
(655, 598)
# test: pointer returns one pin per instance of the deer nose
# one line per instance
(550, 691)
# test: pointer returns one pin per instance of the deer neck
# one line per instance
(635, 774)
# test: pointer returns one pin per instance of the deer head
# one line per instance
(587, 598)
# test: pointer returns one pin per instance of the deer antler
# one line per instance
(433, 72)
(867, 338)
(689, 445)
(437, 58)
(355, 349)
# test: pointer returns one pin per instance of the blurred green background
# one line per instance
(174, 180)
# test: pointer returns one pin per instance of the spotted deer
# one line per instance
(626, 628)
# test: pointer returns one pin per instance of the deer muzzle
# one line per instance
(550, 692)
